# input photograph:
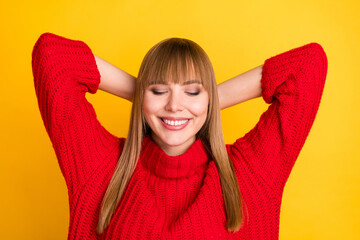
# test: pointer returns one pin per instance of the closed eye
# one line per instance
(193, 93)
(156, 92)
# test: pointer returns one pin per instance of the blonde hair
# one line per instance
(175, 59)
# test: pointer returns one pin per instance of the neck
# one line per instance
(173, 150)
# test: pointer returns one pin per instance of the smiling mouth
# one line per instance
(175, 122)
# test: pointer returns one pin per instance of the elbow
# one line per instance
(41, 57)
(319, 60)
(316, 71)
(41, 46)
(42, 51)
(320, 53)
(314, 64)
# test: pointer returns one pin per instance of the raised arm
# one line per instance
(241, 88)
(64, 71)
(292, 83)
(114, 80)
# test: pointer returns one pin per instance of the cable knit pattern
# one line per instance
(174, 197)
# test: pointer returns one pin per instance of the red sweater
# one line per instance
(174, 197)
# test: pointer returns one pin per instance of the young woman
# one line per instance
(174, 177)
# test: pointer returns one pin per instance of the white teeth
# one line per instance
(175, 123)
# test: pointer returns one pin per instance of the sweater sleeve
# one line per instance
(292, 82)
(64, 70)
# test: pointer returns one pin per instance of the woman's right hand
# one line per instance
(114, 80)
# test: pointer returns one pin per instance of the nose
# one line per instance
(174, 102)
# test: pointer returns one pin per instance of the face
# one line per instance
(175, 113)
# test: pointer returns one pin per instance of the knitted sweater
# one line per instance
(174, 197)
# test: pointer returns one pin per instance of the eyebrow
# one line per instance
(188, 82)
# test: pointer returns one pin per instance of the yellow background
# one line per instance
(321, 199)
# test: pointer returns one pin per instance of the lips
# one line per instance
(172, 123)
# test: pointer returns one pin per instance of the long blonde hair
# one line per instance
(175, 57)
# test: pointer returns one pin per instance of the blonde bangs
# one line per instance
(175, 61)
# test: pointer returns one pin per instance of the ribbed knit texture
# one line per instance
(174, 197)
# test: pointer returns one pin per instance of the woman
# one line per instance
(173, 177)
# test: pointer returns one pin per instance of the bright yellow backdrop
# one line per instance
(321, 199)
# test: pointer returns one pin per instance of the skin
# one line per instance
(176, 103)
(184, 104)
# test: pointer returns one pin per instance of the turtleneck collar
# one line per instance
(162, 165)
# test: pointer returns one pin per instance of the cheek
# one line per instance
(199, 108)
(150, 106)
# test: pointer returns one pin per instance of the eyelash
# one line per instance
(189, 93)
(157, 92)
(193, 93)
